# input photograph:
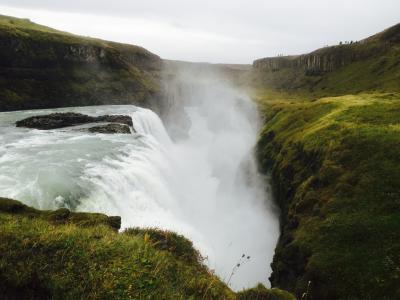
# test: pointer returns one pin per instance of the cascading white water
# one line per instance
(204, 186)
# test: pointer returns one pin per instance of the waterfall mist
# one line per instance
(225, 198)
(196, 176)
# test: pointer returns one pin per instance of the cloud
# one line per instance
(215, 31)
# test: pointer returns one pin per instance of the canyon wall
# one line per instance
(330, 59)
(41, 68)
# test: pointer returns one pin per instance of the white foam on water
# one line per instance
(205, 186)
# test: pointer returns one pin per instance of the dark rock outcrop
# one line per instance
(324, 60)
(111, 128)
(330, 59)
(127, 120)
(60, 120)
(56, 120)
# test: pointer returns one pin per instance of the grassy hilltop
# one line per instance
(331, 140)
(41, 67)
(372, 64)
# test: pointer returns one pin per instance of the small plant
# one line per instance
(242, 260)
(306, 294)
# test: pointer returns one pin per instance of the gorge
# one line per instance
(220, 181)
(205, 185)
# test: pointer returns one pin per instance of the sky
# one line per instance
(216, 31)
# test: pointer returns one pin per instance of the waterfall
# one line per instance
(204, 185)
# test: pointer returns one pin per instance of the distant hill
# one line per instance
(372, 64)
(41, 67)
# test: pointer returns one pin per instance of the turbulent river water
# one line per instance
(204, 185)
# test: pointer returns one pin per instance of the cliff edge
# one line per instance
(337, 70)
(41, 67)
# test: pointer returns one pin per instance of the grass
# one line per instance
(260, 292)
(44, 258)
(372, 65)
(335, 163)
(66, 255)
(21, 25)
(331, 141)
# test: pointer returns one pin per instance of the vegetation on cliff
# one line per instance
(42, 68)
(63, 255)
(67, 255)
(260, 292)
(335, 167)
(331, 140)
(334, 154)
(372, 65)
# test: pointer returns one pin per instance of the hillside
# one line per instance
(41, 67)
(372, 64)
(331, 142)
(66, 255)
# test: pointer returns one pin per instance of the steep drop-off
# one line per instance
(334, 164)
(43, 68)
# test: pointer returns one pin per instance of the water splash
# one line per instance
(204, 186)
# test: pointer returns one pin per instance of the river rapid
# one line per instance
(202, 183)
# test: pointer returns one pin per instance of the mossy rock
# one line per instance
(60, 216)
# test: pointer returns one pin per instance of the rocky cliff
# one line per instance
(41, 67)
(367, 65)
(330, 59)
(333, 163)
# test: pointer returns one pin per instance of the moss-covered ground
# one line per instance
(66, 255)
(335, 165)
(44, 258)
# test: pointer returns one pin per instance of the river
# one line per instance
(203, 184)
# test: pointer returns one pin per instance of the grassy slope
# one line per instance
(65, 255)
(42, 67)
(332, 145)
(381, 73)
(376, 69)
(45, 256)
(335, 164)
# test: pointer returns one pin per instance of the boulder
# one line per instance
(55, 120)
(127, 120)
(60, 120)
(111, 128)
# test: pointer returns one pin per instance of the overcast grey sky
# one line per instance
(228, 31)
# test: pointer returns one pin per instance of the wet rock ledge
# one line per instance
(117, 123)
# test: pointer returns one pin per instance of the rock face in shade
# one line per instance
(60, 120)
(332, 58)
(56, 120)
(111, 128)
(127, 120)
(41, 67)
